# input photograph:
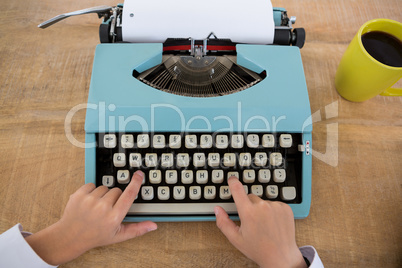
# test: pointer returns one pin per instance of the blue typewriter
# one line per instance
(192, 112)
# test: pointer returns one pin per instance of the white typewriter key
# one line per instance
(143, 141)
(257, 190)
(209, 192)
(275, 159)
(151, 160)
(229, 159)
(279, 175)
(109, 140)
(222, 141)
(213, 159)
(108, 181)
(199, 159)
(167, 160)
(158, 141)
(233, 173)
(127, 141)
(224, 192)
(201, 176)
(288, 193)
(260, 159)
(245, 188)
(171, 176)
(206, 141)
(268, 140)
(183, 160)
(175, 141)
(123, 176)
(179, 192)
(264, 175)
(217, 176)
(237, 141)
(119, 160)
(301, 148)
(285, 140)
(155, 176)
(187, 176)
(271, 191)
(147, 192)
(163, 193)
(253, 140)
(195, 192)
(245, 159)
(191, 141)
(248, 175)
(135, 160)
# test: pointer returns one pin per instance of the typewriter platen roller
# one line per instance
(110, 30)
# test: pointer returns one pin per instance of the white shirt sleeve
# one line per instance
(15, 252)
(311, 255)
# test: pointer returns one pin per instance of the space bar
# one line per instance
(178, 208)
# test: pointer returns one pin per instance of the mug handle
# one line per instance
(392, 92)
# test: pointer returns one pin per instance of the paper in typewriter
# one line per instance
(242, 21)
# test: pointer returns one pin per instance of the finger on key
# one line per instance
(239, 195)
(128, 196)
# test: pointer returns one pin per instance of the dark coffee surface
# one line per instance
(384, 47)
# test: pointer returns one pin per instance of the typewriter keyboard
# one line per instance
(186, 174)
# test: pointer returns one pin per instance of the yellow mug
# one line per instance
(360, 76)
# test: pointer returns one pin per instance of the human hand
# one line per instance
(92, 218)
(267, 232)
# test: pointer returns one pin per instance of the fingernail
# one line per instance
(233, 178)
(216, 210)
(153, 228)
(140, 173)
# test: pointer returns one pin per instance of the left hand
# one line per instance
(92, 218)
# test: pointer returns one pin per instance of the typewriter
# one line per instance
(192, 112)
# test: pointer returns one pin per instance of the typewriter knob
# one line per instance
(292, 20)
(285, 36)
(298, 37)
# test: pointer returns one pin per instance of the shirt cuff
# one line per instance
(311, 255)
(16, 252)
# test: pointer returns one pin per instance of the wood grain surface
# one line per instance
(355, 218)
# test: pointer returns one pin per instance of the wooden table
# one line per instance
(355, 219)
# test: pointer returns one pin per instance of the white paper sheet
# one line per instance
(242, 21)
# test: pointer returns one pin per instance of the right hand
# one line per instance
(267, 231)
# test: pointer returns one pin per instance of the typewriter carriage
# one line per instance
(197, 68)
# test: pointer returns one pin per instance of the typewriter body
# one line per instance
(191, 113)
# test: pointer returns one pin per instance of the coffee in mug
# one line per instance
(383, 47)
